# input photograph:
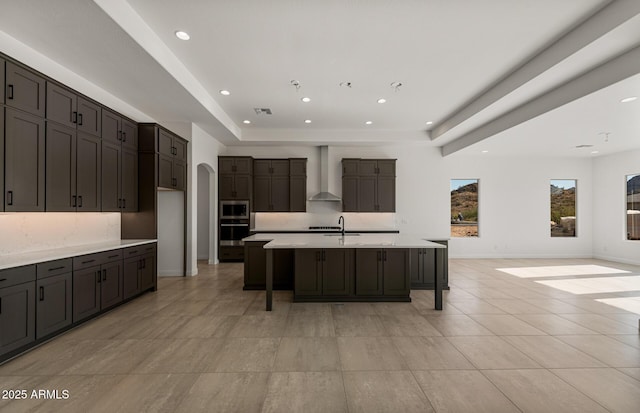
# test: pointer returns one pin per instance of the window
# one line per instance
(464, 207)
(633, 207)
(563, 207)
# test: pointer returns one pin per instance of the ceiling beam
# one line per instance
(603, 20)
(619, 68)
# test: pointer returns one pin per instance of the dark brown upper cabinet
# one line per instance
(24, 162)
(170, 152)
(235, 177)
(73, 170)
(271, 185)
(2, 61)
(2, 157)
(298, 185)
(24, 89)
(117, 129)
(368, 185)
(119, 163)
(67, 108)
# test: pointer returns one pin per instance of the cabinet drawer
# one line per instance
(90, 260)
(139, 250)
(18, 275)
(232, 253)
(51, 268)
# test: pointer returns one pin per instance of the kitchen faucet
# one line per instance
(341, 219)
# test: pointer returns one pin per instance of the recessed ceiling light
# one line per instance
(485, 151)
(594, 152)
(225, 92)
(306, 100)
(182, 35)
(307, 121)
(368, 122)
(246, 121)
(629, 99)
(382, 100)
(430, 123)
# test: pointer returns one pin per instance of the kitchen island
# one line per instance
(349, 267)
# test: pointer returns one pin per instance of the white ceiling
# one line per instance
(445, 54)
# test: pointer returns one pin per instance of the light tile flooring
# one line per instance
(504, 343)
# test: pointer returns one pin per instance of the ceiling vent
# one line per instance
(262, 111)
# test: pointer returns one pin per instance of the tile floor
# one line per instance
(505, 342)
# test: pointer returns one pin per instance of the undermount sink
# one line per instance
(340, 235)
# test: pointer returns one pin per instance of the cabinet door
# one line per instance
(350, 167)
(110, 175)
(61, 105)
(395, 265)
(298, 167)
(255, 264)
(386, 194)
(243, 165)
(350, 194)
(165, 171)
(280, 167)
(337, 271)
(368, 272)
(148, 272)
(226, 187)
(89, 176)
(261, 167)
(165, 143)
(61, 168)
(242, 185)
(2, 80)
(367, 199)
(298, 193)
(179, 175)
(180, 149)
(24, 90)
(226, 165)
(53, 311)
(129, 181)
(89, 117)
(17, 316)
(416, 265)
(280, 193)
(24, 162)
(86, 293)
(367, 167)
(261, 193)
(387, 167)
(129, 134)
(308, 272)
(110, 126)
(111, 284)
(131, 277)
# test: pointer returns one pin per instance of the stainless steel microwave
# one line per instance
(234, 209)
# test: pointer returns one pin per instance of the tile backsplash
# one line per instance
(34, 231)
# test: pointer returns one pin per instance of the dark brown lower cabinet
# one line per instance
(383, 272)
(97, 288)
(255, 261)
(231, 253)
(426, 263)
(17, 316)
(323, 272)
(53, 305)
(139, 274)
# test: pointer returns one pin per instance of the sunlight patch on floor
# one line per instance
(560, 271)
(631, 304)
(596, 285)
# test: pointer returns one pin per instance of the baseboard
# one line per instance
(516, 256)
(616, 259)
(170, 273)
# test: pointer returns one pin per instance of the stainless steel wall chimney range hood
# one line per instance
(324, 194)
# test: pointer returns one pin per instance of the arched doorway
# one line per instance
(206, 225)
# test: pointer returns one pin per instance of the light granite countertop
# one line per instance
(35, 257)
(337, 240)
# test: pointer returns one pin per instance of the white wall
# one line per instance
(514, 196)
(203, 150)
(203, 227)
(609, 205)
